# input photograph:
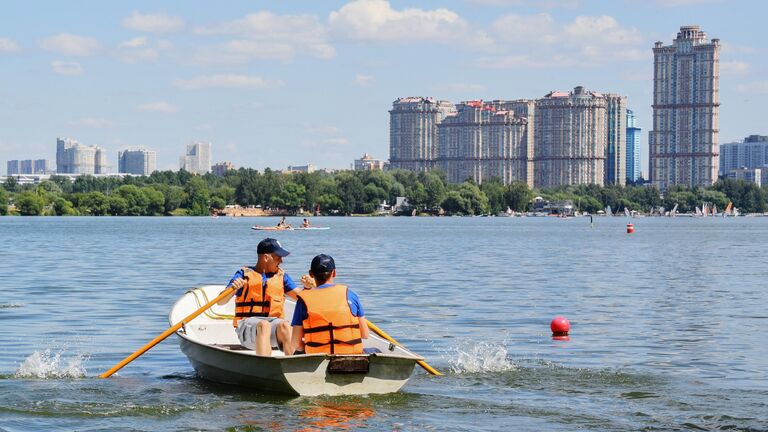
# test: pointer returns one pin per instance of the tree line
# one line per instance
(343, 193)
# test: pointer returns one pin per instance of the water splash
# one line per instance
(49, 364)
(481, 357)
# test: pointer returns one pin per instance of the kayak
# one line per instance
(312, 228)
(212, 347)
(270, 228)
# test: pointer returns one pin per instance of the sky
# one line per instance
(272, 84)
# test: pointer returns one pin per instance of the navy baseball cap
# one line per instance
(322, 264)
(270, 245)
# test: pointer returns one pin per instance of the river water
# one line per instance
(667, 323)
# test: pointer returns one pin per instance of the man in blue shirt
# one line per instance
(322, 273)
(260, 296)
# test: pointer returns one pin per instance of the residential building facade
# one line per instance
(480, 141)
(571, 138)
(616, 139)
(221, 168)
(413, 132)
(368, 163)
(28, 166)
(633, 147)
(751, 153)
(197, 159)
(683, 144)
(137, 161)
(75, 158)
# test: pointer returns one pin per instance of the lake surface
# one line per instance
(668, 324)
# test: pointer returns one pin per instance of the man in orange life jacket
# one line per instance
(328, 318)
(261, 292)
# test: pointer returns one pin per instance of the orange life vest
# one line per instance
(259, 299)
(330, 326)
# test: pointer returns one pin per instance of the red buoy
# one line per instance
(630, 228)
(560, 327)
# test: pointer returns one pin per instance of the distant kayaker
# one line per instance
(305, 224)
(260, 296)
(328, 317)
(283, 224)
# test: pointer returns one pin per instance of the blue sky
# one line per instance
(272, 84)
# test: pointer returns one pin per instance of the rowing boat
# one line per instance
(212, 347)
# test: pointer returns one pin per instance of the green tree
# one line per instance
(94, 203)
(290, 198)
(118, 206)
(455, 203)
(495, 190)
(198, 196)
(3, 202)
(30, 204)
(155, 201)
(517, 196)
(62, 207)
(11, 184)
(434, 187)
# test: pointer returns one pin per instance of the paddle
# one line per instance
(166, 333)
(384, 334)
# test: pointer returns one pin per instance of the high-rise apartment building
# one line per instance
(571, 138)
(751, 153)
(481, 141)
(197, 160)
(413, 132)
(683, 145)
(616, 140)
(75, 158)
(29, 166)
(633, 147)
(221, 168)
(13, 167)
(137, 161)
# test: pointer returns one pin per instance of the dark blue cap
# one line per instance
(270, 245)
(322, 264)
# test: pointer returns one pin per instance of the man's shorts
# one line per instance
(246, 331)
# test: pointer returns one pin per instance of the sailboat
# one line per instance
(714, 210)
(673, 212)
(626, 212)
(608, 211)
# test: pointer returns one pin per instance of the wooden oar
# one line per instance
(166, 333)
(384, 334)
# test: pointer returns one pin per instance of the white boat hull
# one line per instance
(210, 343)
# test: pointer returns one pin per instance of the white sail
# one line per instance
(714, 210)
(626, 212)
(673, 211)
(608, 211)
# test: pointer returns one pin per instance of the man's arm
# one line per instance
(298, 338)
(237, 282)
(363, 328)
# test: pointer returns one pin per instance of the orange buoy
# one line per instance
(630, 228)
(560, 327)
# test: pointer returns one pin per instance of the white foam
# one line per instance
(49, 364)
(481, 357)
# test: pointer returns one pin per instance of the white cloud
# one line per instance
(91, 122)
(153, 23)
(376, 20)
(8, 45)
(141, 49)
(227, 81)
(737, 68)
(363, 80)
(323, 130)
(264, 35)
(67, 68)
(70, 45)
(587, 41)
(163, 107)
(336, 141)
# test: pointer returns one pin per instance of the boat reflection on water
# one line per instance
(332, 415)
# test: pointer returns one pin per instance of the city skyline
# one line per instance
(162, 75)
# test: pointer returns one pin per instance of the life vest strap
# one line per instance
(329, 328)
(251, 314)
(252, 304)
(335, 341)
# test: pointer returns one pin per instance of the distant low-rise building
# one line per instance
(221, 168)
(758, 176)
(750, 153)
(368, 163)
(294, 169)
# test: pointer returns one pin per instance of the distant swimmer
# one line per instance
(305, 224)
(283, 224)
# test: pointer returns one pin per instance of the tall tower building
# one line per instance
(571, 136)
(481, 142)
(197, 160)
(683, 145)
(633, 148)
(413, 132)
(616, 141)
(139, 161)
